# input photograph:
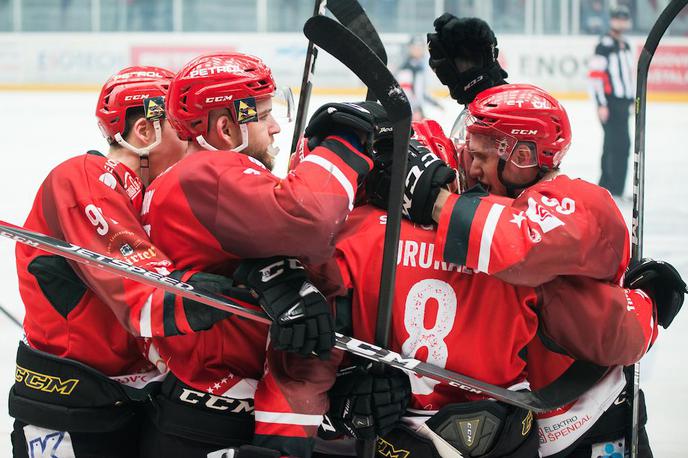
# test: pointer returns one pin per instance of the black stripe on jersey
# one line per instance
(459, 230)
(350, 157)
(169, 322)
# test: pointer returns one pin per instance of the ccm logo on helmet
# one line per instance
(523, 132)
(224, 98)
(136, 97)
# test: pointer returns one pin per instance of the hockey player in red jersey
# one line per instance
(439, 315)
(516, 137)
(80, 322)
(221, 204)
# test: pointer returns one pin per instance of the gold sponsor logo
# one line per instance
(527, 424)
(384, 448)
(44, 382)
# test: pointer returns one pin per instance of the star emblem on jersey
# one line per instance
(246, 110)
(518, 219)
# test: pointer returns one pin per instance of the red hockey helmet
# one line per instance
(520, 115)
(215, 80)
(127, 89)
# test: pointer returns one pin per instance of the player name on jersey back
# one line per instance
(413, 253)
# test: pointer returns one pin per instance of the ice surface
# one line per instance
(40, 130)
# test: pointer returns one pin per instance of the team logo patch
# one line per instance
(609, 449)
(246, 110)
(154, 107)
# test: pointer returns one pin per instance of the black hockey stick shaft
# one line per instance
(306, 84)
(352, 16)
(543, 400)
(11, 317)
(656, 33)
(348, 47)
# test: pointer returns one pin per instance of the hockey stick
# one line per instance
(353, 17)
(306, 84)
(10, 316)
(656, 33)
(546, 399)
(350, 50)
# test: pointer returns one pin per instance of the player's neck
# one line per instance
(126, 157)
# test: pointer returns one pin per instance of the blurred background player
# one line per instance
(221, 205)
(413, 77)
(612, 84)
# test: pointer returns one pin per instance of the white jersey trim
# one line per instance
(288, 418)
(487, 235)
(145, 326)
(336, 173)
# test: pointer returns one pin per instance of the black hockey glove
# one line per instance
(662, 282)
(301, 317)
(201, 316)
(426, 175)
(368, 118)
(463, 55)
(364, 405)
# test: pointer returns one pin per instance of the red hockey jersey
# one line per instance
(214, 208)
(80, 312)
(470, 322)
(559, 226)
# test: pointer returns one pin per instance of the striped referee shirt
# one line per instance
(611, 71)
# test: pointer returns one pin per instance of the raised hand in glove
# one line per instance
(662, 282)
(301, 317)
(368, 119)
(426, 175)
(463, 55)
(365, 405)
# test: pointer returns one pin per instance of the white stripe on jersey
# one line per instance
(288, 418)
(486, 237)
(335, 172)
(145, 327)
(627, 71)
(615, 75)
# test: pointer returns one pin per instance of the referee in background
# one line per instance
(613, 88)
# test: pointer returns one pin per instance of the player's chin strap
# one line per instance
(244, 140)
(271, 149)
(143, 152)
(512, 188)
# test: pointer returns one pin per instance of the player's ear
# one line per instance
(224, 129)
(143, 132)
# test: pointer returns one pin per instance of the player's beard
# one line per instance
(264, 157)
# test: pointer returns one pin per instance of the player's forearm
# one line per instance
(439, 204)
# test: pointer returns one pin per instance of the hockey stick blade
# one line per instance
(540, 401)
(352, 15)
(331, 36)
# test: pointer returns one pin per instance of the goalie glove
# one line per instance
(426, 175)
(364, 405)
(662, 282)
(301, 317)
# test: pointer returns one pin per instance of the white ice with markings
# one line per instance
(42, 129)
